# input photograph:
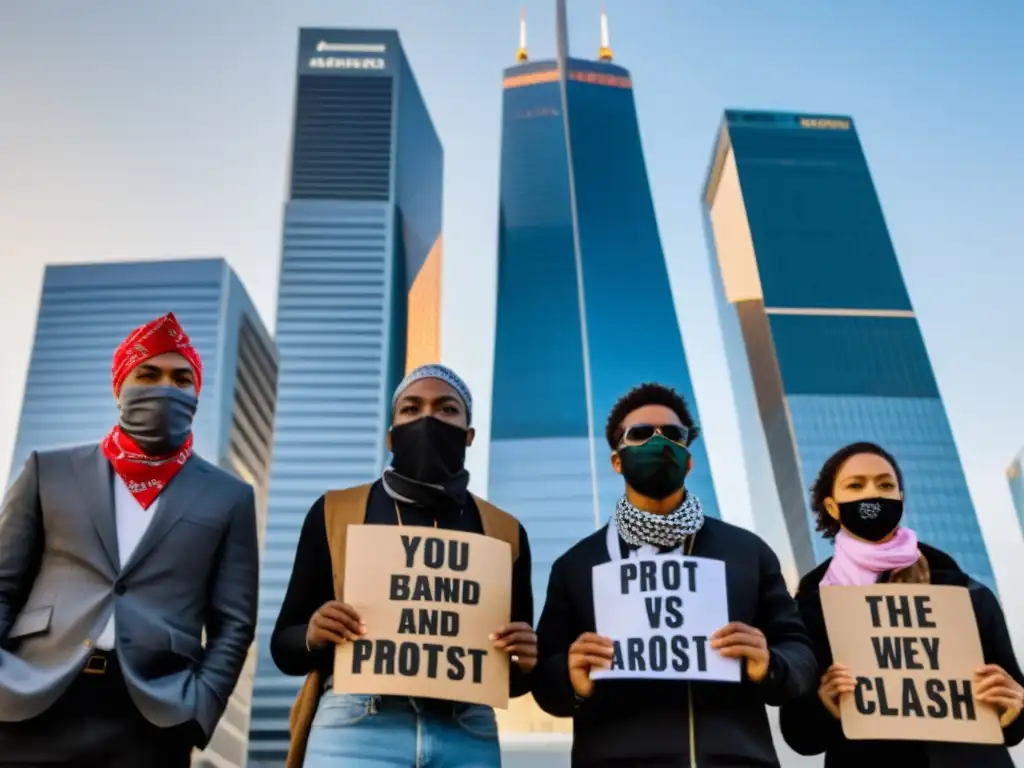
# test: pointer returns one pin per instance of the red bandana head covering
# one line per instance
(147, 341)
(147, 476)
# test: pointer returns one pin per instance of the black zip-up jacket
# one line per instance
(647, 723)
(810, 729)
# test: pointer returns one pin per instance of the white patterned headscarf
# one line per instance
(442, 373)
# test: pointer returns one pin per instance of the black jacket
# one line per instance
(810, 729)
(647, 723)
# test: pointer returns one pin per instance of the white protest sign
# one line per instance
(660, 612)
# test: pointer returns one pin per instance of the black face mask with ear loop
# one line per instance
(428, 450)
(871, 519)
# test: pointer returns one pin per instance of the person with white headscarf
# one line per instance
(426, 484)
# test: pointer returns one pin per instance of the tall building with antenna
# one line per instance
(585, 311)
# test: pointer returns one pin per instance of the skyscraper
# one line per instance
(358, 300)
(824, 347)
(585, 311)
(84, 313)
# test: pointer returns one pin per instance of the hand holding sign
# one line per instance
(591, 651)
(741, 641)
(994, 686)
(519, 641)
(333, 623)
(836, 681)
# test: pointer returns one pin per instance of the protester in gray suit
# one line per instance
(113, 560)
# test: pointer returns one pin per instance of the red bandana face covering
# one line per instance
(147, 476)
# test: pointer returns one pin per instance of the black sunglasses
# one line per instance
(638, 434)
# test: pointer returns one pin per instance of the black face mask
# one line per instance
(158, 419)
(871, 519)
(428, 450)
(656, 468)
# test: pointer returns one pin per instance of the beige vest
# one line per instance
(342, 509)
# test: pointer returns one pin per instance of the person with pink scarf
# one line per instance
(858, 500)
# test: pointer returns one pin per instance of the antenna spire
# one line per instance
(561, 33)
(521, 53)
(605, 51)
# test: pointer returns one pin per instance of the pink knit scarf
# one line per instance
(858, 563)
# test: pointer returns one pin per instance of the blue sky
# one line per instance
(147, 130)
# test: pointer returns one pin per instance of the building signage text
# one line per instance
(827, 123)
(338, 62)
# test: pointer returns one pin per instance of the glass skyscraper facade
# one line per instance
(358, 299)
(823, 344)
(585, 311)
(85, 311)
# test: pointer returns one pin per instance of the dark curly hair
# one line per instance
(648, 394)
(824, 484)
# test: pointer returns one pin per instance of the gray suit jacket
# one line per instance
(196, 567)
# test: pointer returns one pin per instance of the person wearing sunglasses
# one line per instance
(660, 723)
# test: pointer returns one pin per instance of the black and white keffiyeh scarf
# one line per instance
(639, 528)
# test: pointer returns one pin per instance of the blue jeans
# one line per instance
(359, 731)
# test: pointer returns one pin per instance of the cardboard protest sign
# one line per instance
(430, 599)
(660, 612)
(913, 649)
